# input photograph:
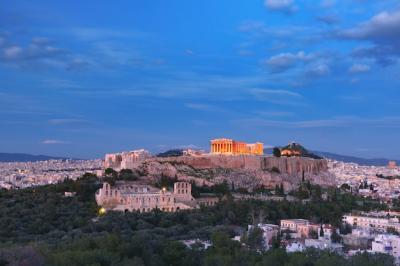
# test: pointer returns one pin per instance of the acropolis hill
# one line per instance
(243, 171)
(247, 170)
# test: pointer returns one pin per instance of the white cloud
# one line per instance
(383, 31)
(263, 93)
(61, 121)
(275, 113)
(189, 52)
(328, 3)
(38, 50)
(284, 61)
(53, 141)
(286, 6)
(319, 70)
(12, 52)
(329, 19)
(283, 97)
(383, 27)
(345, 121)
(201, 107)
(359, 68)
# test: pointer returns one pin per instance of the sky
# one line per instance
(83, 78)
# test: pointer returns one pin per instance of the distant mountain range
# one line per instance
(352, 159)
(24, 157)
(347, 158)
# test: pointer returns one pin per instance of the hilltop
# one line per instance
(295, 149)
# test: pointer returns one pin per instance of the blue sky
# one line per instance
(82, 78)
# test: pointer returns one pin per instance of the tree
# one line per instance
(367, 259)
(166, 181)
(111, 172)
(314, 234)
(391, 230)
(345, 229)
(276, 152)
(279, 191)
(127, 174)
(321, 231)
(255, 239)
(276, 241)
(335, 237)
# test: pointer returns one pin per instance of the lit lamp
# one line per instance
(102, 211)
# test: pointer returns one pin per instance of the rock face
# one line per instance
(244, 171)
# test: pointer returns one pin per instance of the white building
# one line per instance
(372, 222)
(359, 238)
(322, 243)
(131, 196)
(295, 247)
(388, 244)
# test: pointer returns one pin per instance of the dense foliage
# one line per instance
(145, 249)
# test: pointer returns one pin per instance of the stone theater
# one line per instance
(233, 147)
(130, 196)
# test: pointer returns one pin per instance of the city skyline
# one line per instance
(84, 80)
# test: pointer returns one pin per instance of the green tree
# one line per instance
(335, 237)
(111, 173)
(276, 152)
(127, 174)
(313, 234)
(255, 239)
(321, 231)
(391, 230)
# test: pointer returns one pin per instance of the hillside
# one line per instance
(244, 171)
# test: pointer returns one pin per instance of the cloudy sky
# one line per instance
(81, 78)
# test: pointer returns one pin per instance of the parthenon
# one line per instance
(232, 147)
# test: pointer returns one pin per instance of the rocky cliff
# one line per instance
(242, 171)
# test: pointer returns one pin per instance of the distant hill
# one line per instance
(298, 149)
(347, 158)
(353, 159)
(171, 153)
(24, 157)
